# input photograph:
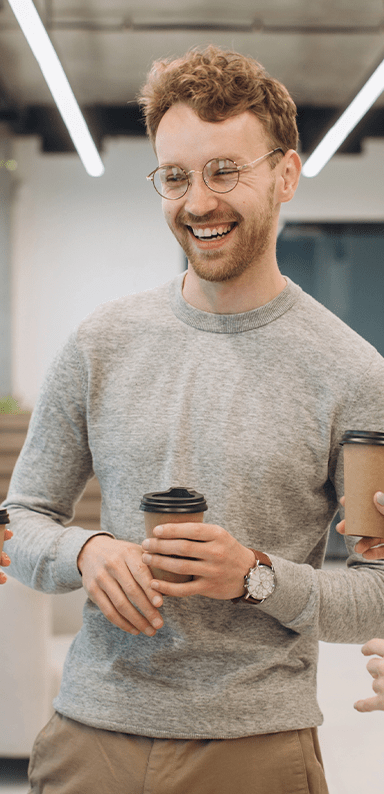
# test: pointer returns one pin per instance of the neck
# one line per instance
(241, 294)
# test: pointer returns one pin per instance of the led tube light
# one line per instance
(347, 121)
(53, 72)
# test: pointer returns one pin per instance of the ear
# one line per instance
(289, 175)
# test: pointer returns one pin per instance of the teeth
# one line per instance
(216, 232)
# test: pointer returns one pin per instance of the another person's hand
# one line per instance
(4, 559)
(116, 579)
(370, 548)
(215, 559)
(376, 668)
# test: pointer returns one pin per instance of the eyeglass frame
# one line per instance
(151, 176)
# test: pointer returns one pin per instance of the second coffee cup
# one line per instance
(4, 519)
(363, 477)
(175, 506)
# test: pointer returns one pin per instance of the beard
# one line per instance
(253, 239)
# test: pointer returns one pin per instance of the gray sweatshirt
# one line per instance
(248, 409)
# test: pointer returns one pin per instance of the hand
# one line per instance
(116, 579)
(376, 668)
(4, 559)
(217, 561)
(370, 548)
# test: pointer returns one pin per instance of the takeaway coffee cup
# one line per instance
(175, 506)
(363, 477)
(4, 519)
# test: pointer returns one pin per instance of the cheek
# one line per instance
(169, 212)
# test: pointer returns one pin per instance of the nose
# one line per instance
(199, 199)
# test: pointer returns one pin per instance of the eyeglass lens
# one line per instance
(220, 175)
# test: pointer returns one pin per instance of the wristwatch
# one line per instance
(259, 582)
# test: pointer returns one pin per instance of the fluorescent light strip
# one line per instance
(347, 121)
(41, 46)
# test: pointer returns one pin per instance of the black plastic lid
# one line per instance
(4, 517)
(175, 500)
(363, 437)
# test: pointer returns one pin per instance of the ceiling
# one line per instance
(322, 50)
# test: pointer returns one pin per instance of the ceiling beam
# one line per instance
(113, 120)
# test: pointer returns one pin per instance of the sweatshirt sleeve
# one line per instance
(338, 605)
(50, 475)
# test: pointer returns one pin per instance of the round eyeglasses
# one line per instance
(220, 175)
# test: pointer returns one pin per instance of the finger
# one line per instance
(127, 568)
(180, 547)
(4, 560)
(119, 610)
(128, 597)
(364, 544)
(194, 531)
(375, 645)
(378, 686)
(341, 527)
(342, 501)
(177, 590)
(3, 578)
(112, 614)
(369, 704)
(8, 534)
(374, 554)
(116, 582)
(179, 565)
(143, 576)
(379, 501)
(377, 672)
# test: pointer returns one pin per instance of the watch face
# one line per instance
(261, 582)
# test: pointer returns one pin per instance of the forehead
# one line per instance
(183, 138)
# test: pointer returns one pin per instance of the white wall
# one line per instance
(80, 241)
(349, 188)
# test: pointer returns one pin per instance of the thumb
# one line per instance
(379, 501)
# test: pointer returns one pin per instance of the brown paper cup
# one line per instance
(363, 477)
(178, 505)
(153, 520)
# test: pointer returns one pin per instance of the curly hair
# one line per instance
(218, 84)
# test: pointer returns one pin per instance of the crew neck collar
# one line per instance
(231, 323)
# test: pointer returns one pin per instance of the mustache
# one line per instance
(187, 219)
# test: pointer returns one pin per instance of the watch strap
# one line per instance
(263, 559)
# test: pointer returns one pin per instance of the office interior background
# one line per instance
(69, 242)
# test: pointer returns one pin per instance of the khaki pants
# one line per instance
(71, 758)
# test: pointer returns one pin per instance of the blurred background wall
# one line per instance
(77, 242)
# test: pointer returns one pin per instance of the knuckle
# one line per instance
(129, 588)
(219, 532)
(113, 562)
(120, 605)
(219, 555)
(100, 580)
(91, 590)
(109, 613)
(141, 568)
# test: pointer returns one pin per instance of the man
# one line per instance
(232, 381)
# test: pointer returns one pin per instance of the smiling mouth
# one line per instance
(212, 234)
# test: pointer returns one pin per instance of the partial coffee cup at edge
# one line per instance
(4, 519)
(363, 477)
(178, 505)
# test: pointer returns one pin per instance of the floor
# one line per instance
(352, 743)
